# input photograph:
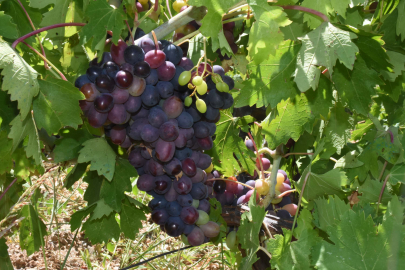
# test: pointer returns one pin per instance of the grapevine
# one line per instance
(256, 134)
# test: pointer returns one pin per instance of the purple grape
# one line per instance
(157, 117)
(134, 131)
(185, 200)
(154, 168)
(96, 119)
(199, 191)
(171, 195)
(118, 115)
(165, 89)
(174, 208)
(104, 103)
(168, 131)
(166, 71)
(173, 106)
(150, 97)
(204, 162)
(173, 167)
(199, 176)
(136, 159)
(133, 104)
(165, 150)
(145, 182)
(162, 184)
(120, 95)
(204, 206)
(189, 167)
(196, 237)
(149, 133)
(174, 226)
(183, 185)
(185, 120)
(219, 186)
(160, 216)
(210, 229)
(189, 215)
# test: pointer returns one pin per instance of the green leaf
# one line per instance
(358, 245)
(20, 130)
(8, 111)
(63, 11)
(400, 29)
(95, 181)
(297, 28)
(318, 185)
(339, 127)
(75, 174)
(328, 211)
(6, 162)
(113, 191)
(131, 219)
(227, 143)
(68, 146)
(361, 129)
(289, 122)
(212, 21)
(394, 89)
(323, 47)
(79, 215)
(267, 78)
(101, 210)
(372, 52)
(102, 230)
(384, 148)
(30, 234)
(248, 231)
(57, 105)
(11, 197)
(8, 28)
(215, 215)
(99, 153)
(5, 261)
(397, 174)
(397, 60)
(349, 161)
(23, 166)
(265, 35)
(19, 78)
(370, 192)
(292, 255)
(102, 17)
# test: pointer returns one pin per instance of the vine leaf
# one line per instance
(292, 255)
(4, 257)
(131, 219)
(102, 17)
(101, 210)
(12, 195)
(75, 174)
(265, 35)
(328, 211)
(289, 123)
(212, 21)
(102, 230)
(323, 184)
(267, 78)
(248, 232)
(63, 11)
(79, 215)
(94, 180)
(99, 153)
(364, 246)
(56, 105)
(68, 146)
(349, 161)
(339, 127)
(323, 47)
(227, 143)
(6, 163)
(20, 130)
(397, 174)
(23, 166)
(397, 60)
(30, 234)
(8, 27)
(400, 29)
(19, 78)
(370, 192)
(325, 7)
(113, 192)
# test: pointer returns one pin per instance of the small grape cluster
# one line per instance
(137, 94)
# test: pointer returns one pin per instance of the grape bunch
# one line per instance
(155, 102)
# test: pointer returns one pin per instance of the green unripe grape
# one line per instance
(203, 218)
(184, 239)
(231, 240)
(184, 77)
(187, 101)
(201, 106)
(196, 203)
(197, 80)
(216, 78)
(202, 89)
(222, 87)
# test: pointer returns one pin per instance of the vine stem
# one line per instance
(308, 10)
(46, 60)
(299, 202)
(33, 28)
(382, 171)
(130, 32)
(9, 186)
(168, 8)
(381, 193)
(230, 180)
(46, 28)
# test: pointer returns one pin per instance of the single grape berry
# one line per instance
(197, 80)
(184, 78)
(201, 106)
(219, 186)
(123, 79)
(202, 88)
(104, 103)
(134, 54)
(187, 101)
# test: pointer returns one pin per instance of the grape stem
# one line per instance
(308, 10)
(130, 32)
(257, 156)
(46, 28)
(289, 154)
(286, 192)
(33, 28)
(7, 188)
(155, 40)
(224, 179)
(382, 171)
(46, 60)
(168, 8)
(381, 193)
(272, 180)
